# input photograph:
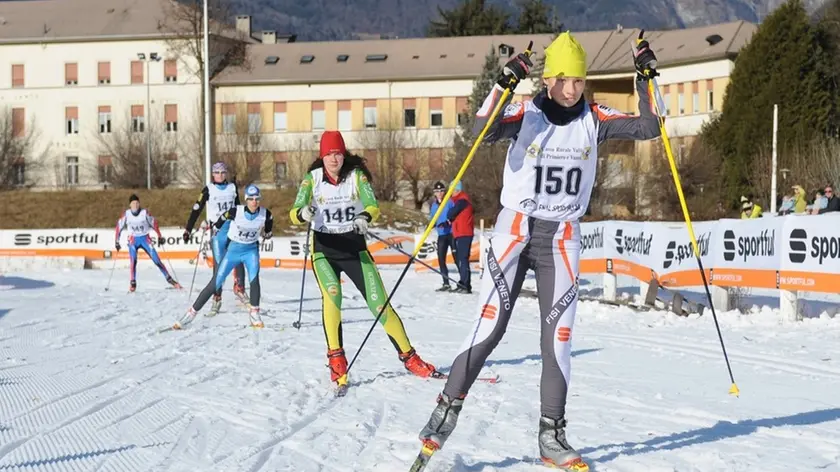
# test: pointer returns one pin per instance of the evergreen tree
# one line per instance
(535, 17)
(782, 65)
(483, 179)
(470, 18)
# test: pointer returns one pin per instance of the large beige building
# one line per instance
(73, 82)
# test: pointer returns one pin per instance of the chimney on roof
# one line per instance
(619, 28)
(269, 37)
(243, 25)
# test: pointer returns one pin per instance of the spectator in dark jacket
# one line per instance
(444, 231)
(463, 230)
(833, 201)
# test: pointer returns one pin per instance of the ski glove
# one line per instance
(360, 223)
(306, 213)
(117, 246)
(515, 70)
(644, 59)
(186, 237)
(267, 235)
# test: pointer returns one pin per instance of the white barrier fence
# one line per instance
(788, 254)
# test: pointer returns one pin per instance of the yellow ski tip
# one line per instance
(734, 390)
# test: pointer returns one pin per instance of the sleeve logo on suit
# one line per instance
(512, 110)
(609, 112)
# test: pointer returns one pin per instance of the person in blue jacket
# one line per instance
(445, 240)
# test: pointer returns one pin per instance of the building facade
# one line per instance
(90, 94)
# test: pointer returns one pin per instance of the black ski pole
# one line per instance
(296, 324)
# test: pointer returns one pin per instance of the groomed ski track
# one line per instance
(87, 385)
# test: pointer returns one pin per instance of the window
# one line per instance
(280, 167)
(105, 169)
(136, 72)
(409, 112)
(103, 70)
(71, 118)
(436, 112)
(170, 70)
(17, 75)
(172, 167)
(462, 107)
(104, 119)
(319, 116)
(254, 118)
(681, 99)
(710, 95)
(370, 113)
(138, 120)
(410, 117)
(18, 122)
(695, 97)
(666, 97)
(228, 118)
(170, 116)
(345, 116)
(279, 117)
(19, 171)
(71, 73)
(72, 166)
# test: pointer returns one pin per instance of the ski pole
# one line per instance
(653, 89)
(434, 219)
(296, 324)
(168, 260)
(114, 266)
(399, 249)
(195, 268)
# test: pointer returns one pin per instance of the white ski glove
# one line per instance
(306, 213)
(360, 223)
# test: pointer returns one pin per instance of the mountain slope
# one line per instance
(342, 19)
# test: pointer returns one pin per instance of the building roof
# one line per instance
(39, 21)
(608, 52)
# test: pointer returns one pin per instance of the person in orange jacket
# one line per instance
(461, 216)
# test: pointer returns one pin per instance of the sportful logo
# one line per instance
(682, 252)
(633, 244)
(798, 248)
(763, 245)
(23, 239)
(822, 248)
(593, 240)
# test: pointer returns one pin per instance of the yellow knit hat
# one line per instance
(565, 57)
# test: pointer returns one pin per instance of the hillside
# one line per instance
(333, 20)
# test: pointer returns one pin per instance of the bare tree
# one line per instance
(126, 150)
(383, 152)
(20, 163)
(191, 148)
(299, 158)
(182, 24)
(420, 166)
(244, 148)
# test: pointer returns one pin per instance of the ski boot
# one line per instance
(442, 422)
(217, 305)
(444, 288)
(555, 451)
(173, 282)
(239, 291)
(416, 365)
(338, 369)
(185, 319)
(133, 286)
(255, 318)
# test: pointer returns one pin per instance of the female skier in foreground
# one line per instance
(548, 178)
(336, 197)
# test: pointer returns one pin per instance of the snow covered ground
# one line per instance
(86, 386)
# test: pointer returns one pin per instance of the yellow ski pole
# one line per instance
(659, 104)
(434, 219)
